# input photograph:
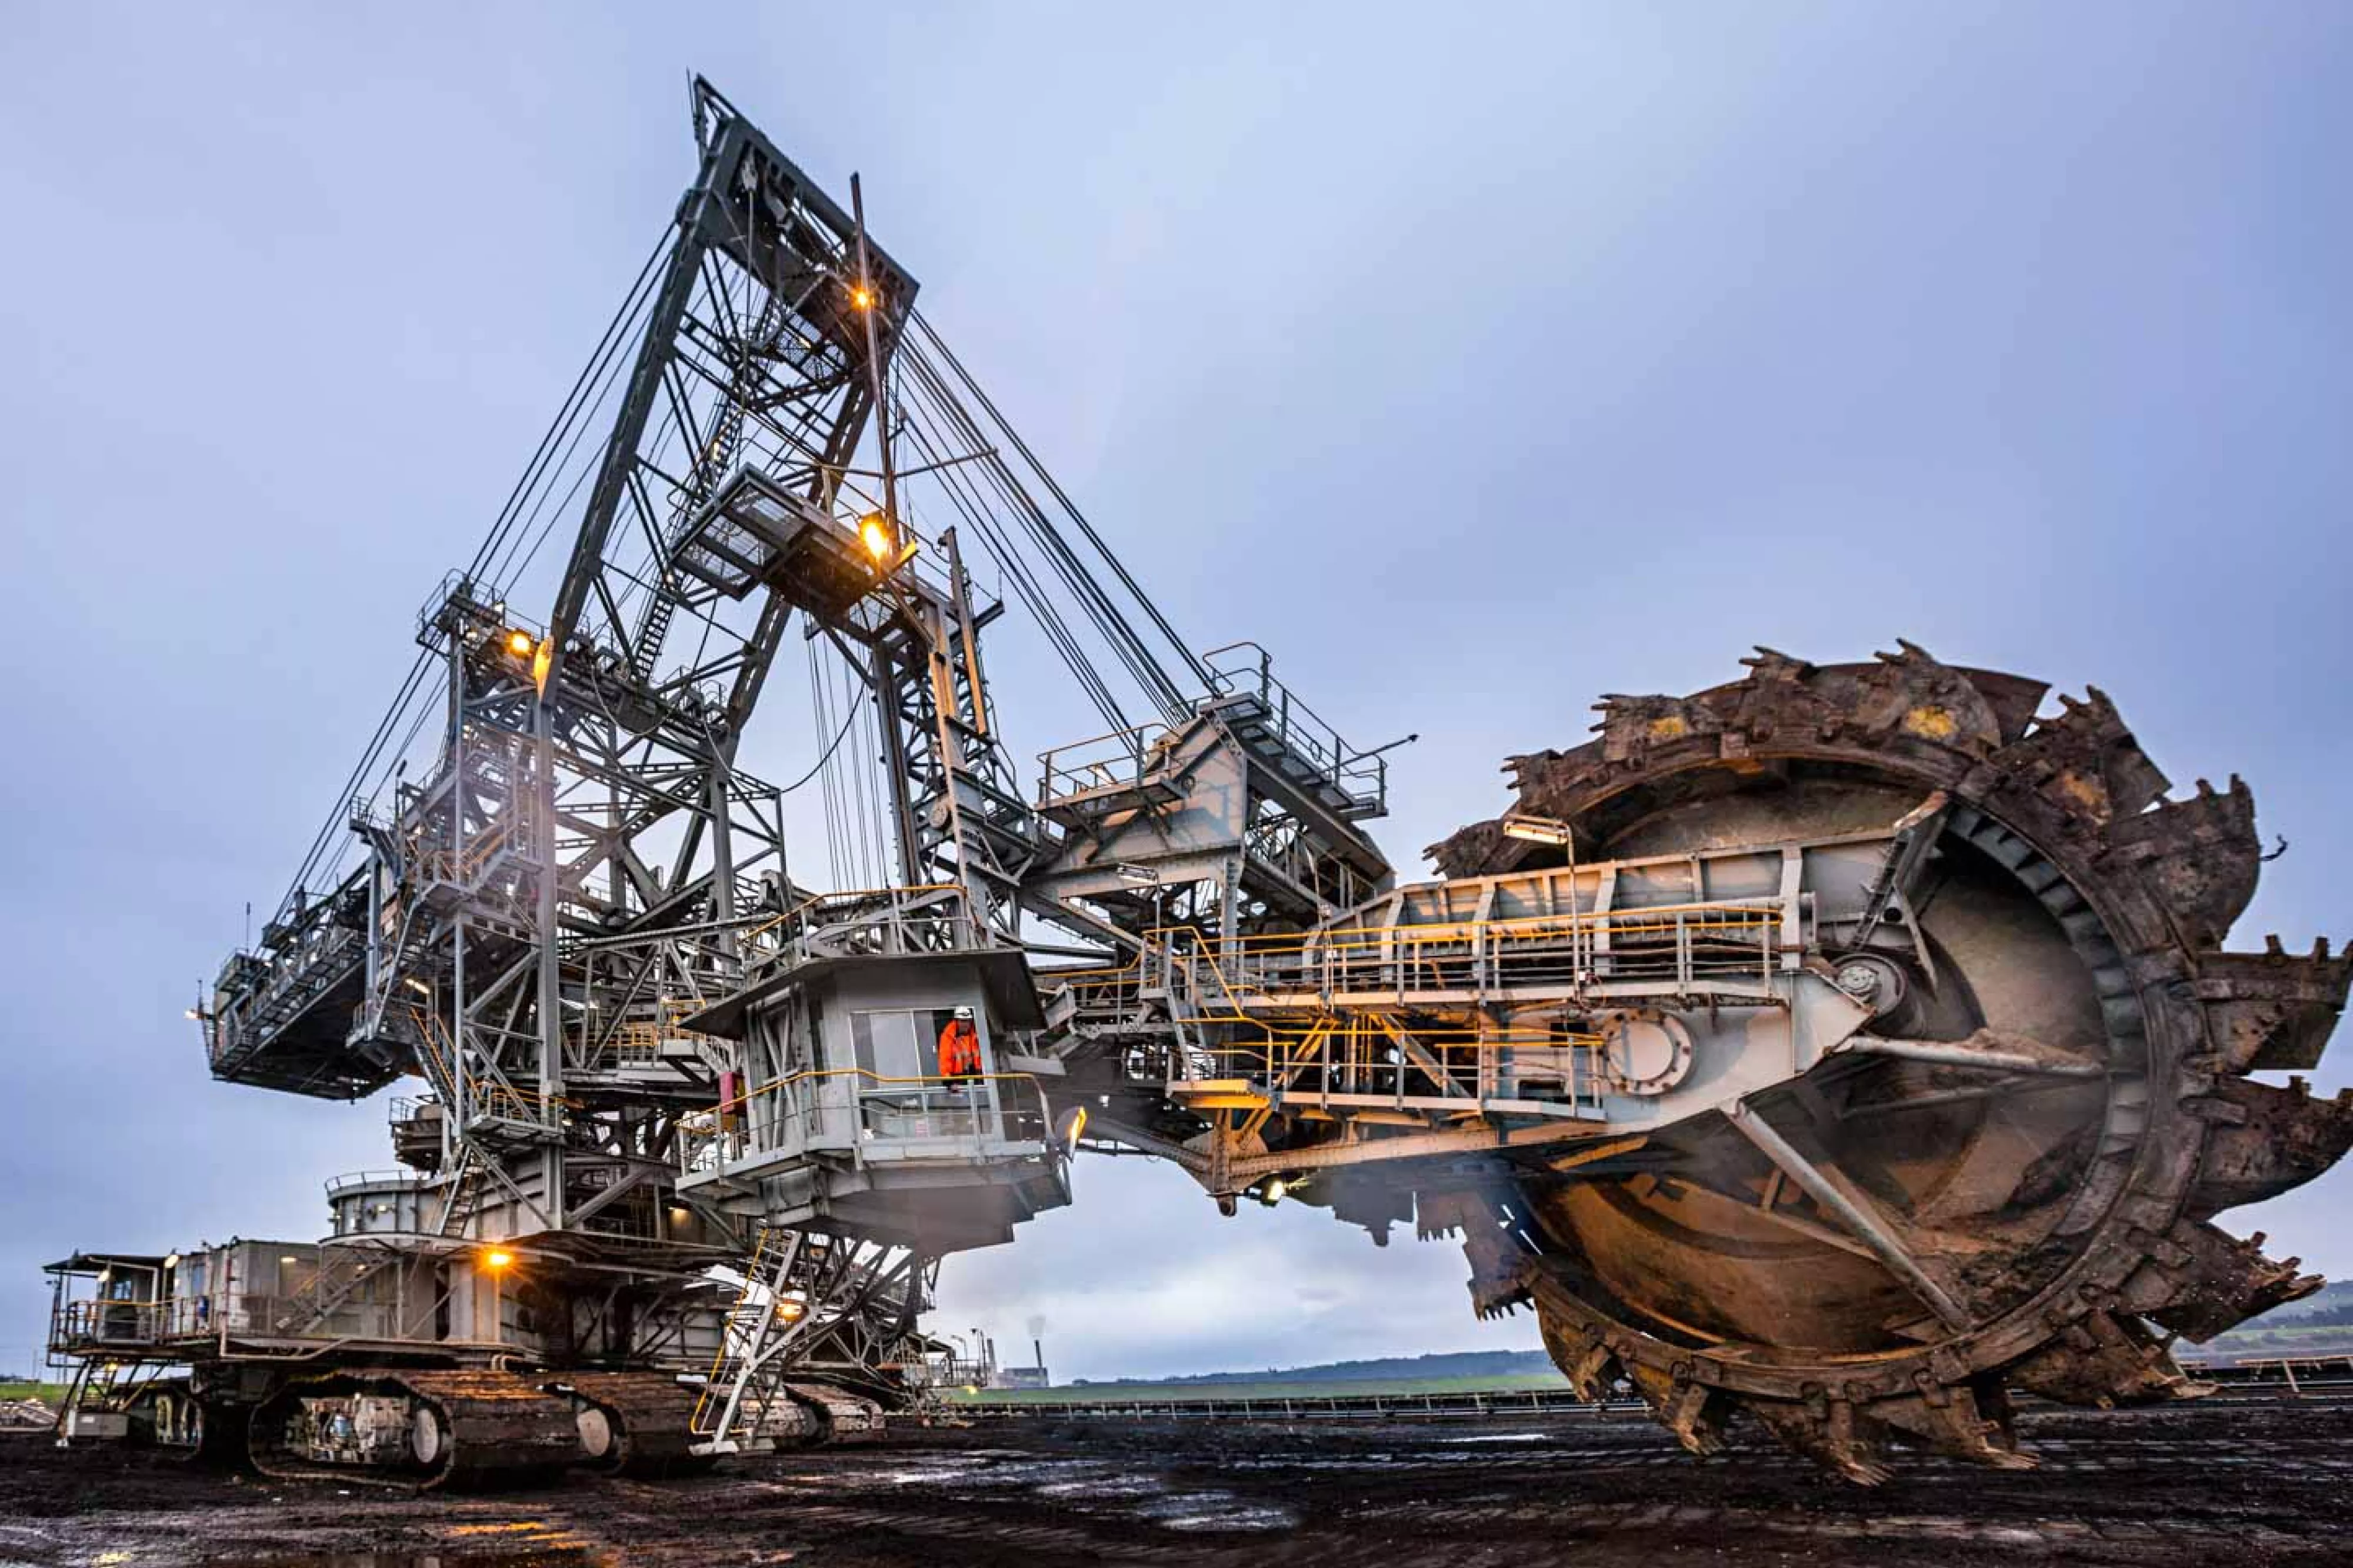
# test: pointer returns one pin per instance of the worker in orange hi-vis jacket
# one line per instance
(960, 1048)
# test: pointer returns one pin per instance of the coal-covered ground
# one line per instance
(2209, 1483)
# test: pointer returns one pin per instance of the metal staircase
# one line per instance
(747, 1369)
(812, 1339)
(1286, 736)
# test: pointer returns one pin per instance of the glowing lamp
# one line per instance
(874, 532)
(497, 1257)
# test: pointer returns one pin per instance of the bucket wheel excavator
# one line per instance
(1846, 1047)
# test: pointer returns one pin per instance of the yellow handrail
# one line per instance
(479, 1091)
(719, 1355)
(777, 1083)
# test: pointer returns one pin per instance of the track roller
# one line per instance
(398, 1427)
(632, 1423)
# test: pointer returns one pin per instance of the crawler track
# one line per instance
(487, 1429)
(635, 1423)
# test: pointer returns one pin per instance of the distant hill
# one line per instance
(1388, 1369)
(2294, 1327)
(2289, 1327)
(2320, 1324)
(2331, 1306)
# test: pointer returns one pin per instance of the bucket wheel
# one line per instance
(1886, 1248)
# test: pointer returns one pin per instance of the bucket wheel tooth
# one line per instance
(2102, 1360)
(2262, 1140)
(1961, 1421)
(2200, 1281)
(1583, 1355)
(2086, 762)
(1489, 1244)
(2271, 1011)
(2065, 1222)
(1911, 696)
(1830, 1432)
(2198, 856)
(1632, 726)
(1696, 1413)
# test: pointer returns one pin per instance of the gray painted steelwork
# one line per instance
(1838, 1047)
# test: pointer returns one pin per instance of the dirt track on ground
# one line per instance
(2209, 1484)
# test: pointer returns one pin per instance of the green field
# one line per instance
(1309, 1388)
(2266, 1340)
(52, 1392)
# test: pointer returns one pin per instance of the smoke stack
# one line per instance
(1037, 1348)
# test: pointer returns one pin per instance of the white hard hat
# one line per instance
(963, 1013)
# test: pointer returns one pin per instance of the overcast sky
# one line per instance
(1478, 360)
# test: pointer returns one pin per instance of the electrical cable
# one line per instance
(1016, 570)
(819, 763)
(337, 817)
(1183, 650)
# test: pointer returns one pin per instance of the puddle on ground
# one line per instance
(972, 1473)
(1217, 1510)
(1106, 1486)
(1102, 1487)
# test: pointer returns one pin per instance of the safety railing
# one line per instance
(963, 1118)
(484, 1097)
(403, 1108)
(81, 1328)
(405, 1179)
(1371, 1057)
(1100, 995)
(489, 1098)
(638, 1041)
(1244, 670)
(452, 602)
(1726, 948)
(1069, 1404)
(1311, 1010)
(633, 1044)
(875, 921)
(1103, 763)
(278, 983)
(74, 1324)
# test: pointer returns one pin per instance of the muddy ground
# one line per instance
(2210, 1484)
